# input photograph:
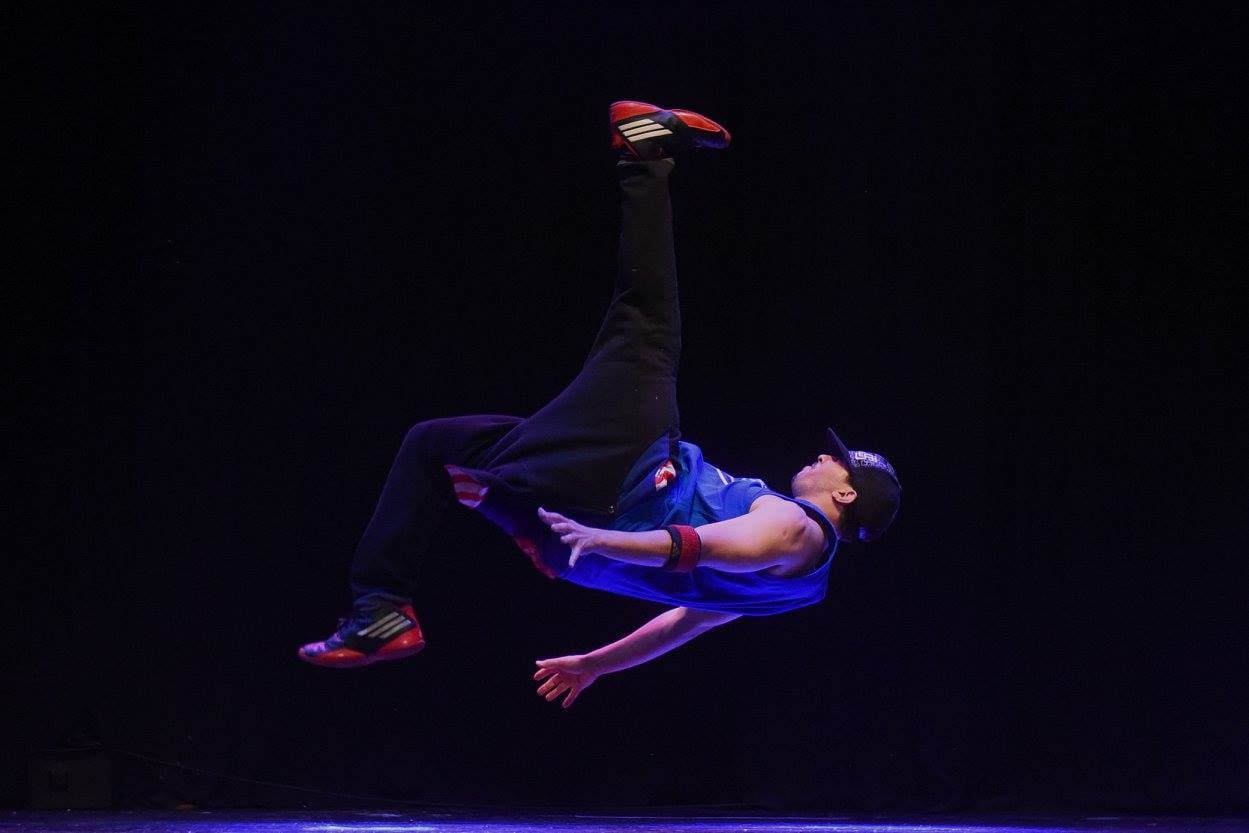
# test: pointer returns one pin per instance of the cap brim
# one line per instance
(843, 453)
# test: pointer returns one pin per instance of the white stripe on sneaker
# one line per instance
(393, 629)
(380, 624)
(641, 128)
(646, 128)
(630, 125)
(649, 134)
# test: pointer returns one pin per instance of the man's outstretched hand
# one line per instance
(573, 674)
(579, 537)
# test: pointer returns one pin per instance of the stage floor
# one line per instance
(195, 821)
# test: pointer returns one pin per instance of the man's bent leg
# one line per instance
(382, 625)
(413, 501)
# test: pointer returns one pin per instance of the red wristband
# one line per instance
(690, 548)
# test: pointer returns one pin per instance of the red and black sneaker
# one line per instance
(644, 131)
(370, 634)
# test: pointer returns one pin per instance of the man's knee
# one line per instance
(453, 439)
(423, 439)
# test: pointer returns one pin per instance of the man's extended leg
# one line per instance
(576, 451)
(624, 398)
(642, 326)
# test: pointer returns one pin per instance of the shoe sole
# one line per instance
(399, 648)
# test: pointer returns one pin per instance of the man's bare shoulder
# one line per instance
(774, 504)
(811, 539)
(780, 508)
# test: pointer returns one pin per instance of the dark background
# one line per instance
(988, 242)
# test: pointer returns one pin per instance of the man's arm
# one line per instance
(658, 636)
(571, 675)
(773, 533)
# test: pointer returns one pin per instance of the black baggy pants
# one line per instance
(574, 453)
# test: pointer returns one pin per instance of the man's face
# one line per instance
(825, 476)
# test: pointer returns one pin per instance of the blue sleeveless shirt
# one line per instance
(688, 491)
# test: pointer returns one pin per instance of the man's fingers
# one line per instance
(559, 684)
(558, 524)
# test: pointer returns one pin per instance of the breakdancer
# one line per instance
(598, 489)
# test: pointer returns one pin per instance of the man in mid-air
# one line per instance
(597, 488)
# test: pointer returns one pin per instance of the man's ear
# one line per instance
(845, 496)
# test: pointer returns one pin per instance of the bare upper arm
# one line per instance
(774, 533)
(806, 539)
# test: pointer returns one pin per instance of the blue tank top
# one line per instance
(700, 493)
(689, 491)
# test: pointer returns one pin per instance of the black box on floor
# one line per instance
(69, 780)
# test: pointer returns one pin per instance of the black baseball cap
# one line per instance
(879, 494)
